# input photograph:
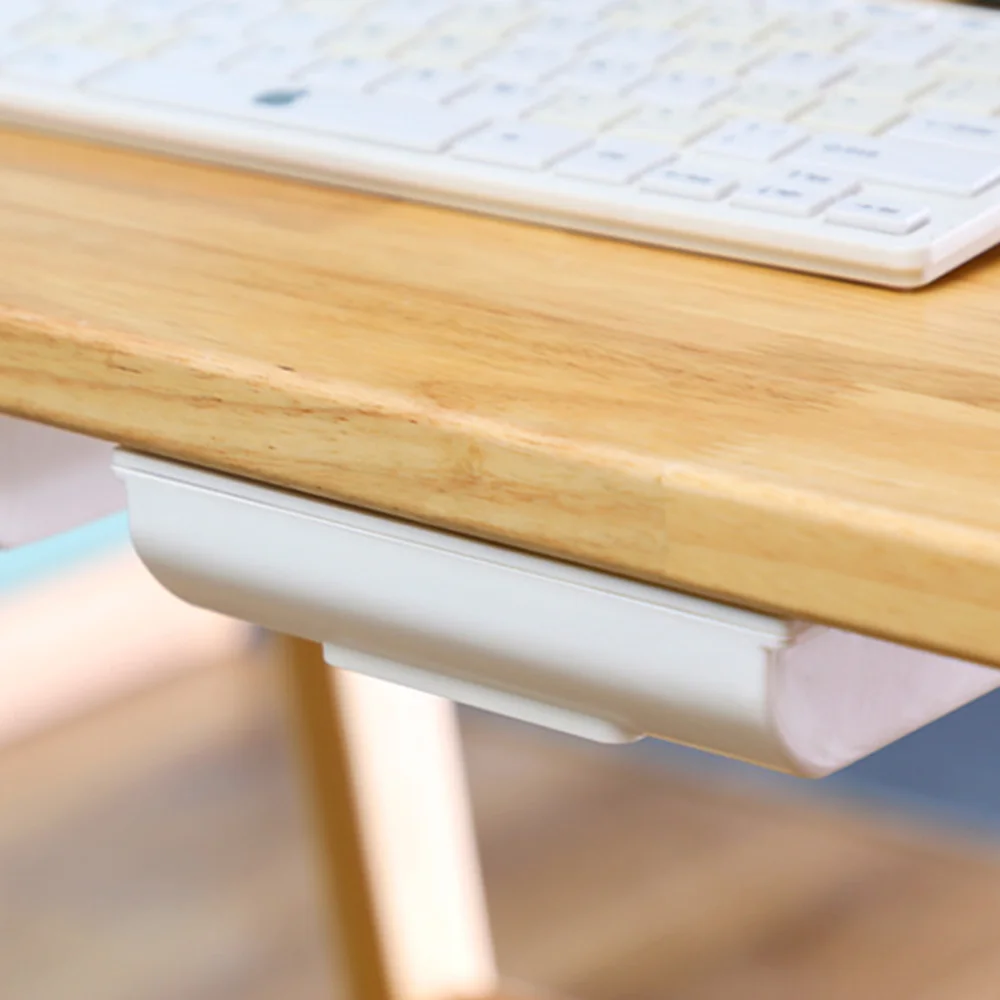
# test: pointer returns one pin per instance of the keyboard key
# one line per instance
(9, 46)
(684, 89)
(804, 69)
(969, 24)
(900, 16)
(272, 62)
(229, 15)
(496, 18)
(592, 111)
(753, 139)
(297, 27)
(612, 75)
(522, 145)
(853, 113)
(718, 56)
(637, 43)
(964, 132)
(373, 39)
(655, 15)
(415, 11)
(385, 119)
(435, 85)
(344, 8)
(82, 6)
(563, 30)
(202, 51)
(348, 74)
(675, 126)
(57, 65)
(156, 10)
(819, 32)
(732, 22)
(799, 193)
(697, 184)
(921, 165)
(897, 218)
(504, 99)
(55, 27)
(767, 99)
(160, 83)
(899, 48)
(133, 38)
(525, 63)
(899, 83)
(973, 97)
(580, 8)
(975, 57)
(446, 50)
(15, 13)
(615, 160)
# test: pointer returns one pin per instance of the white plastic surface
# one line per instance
(552, 643)
(481, 104)
(51, 481)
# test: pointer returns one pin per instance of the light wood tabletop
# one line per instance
(786, 442)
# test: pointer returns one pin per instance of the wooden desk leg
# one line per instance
(400, 879)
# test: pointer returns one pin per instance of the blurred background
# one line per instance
(153, 846)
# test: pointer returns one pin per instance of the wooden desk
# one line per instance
(786, 442)
(790, 443)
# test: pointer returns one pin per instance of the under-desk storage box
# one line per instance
(558, 644)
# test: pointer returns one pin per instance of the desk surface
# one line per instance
(787, 442)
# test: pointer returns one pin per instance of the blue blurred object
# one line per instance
(947, 769)
(945, 772)
(36, 561)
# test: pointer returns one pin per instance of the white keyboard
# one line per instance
(848, 138)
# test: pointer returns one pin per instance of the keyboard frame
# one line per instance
(712, 228)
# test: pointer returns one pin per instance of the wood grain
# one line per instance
(825, 450)
(392, 831)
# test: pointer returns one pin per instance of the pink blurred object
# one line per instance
(96, 632)
(51, 481)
